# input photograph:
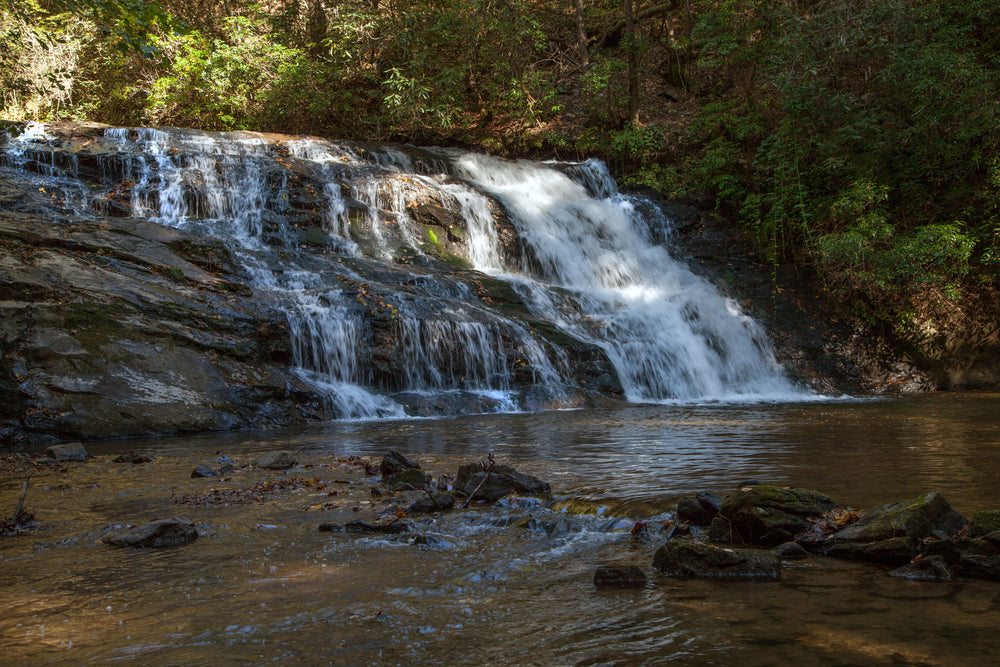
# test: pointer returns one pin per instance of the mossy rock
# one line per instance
(769, 515)
(984, 523)
(916, 519)
(685, 558)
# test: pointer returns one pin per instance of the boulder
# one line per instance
(981, 559)
(684, 558)
(499, 482)
(891, 534)
(133, 457)
(155, 534)
(769, 515)
(202, 470)
(932, 568)
(394, 462)
(275, 461)
(721, 531)
(421, 502)
(72, 451)
(619, 576)
(983, 523)
(699, 510)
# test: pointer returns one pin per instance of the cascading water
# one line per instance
(354, 244)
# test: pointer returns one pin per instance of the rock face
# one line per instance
(769, 515)
(684, 558)
(113, 325)
(155, 534)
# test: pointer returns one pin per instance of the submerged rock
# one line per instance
(619, 576)
(160, 533)
(379, 527)
(133, 457)
(72, 451)
(791, 550)
(684, 558)
(275, 461)
(769, 515)
(202, 470)
(931, 568)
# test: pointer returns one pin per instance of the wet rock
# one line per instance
(891, 533)
(378, 527)
(700, 510)
(72, 451)
(619, 576)
(410, 478)
(981, 559)
(133, 457)
(275, 461)
(394, 462)
(202, 470)
(894, 551)
(499, 482)
(983, 523)
(791, 550)
(931, 568)
(421, 502)
(155, 534)
(949, 549)
(684, 558)
(721, 531)
(432, 541)
(769, 515)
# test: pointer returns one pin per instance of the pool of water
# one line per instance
(509, 585)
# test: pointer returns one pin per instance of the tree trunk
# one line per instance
(632, 67)
(581, 34)
(316, 26)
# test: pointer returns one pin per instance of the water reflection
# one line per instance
(262, 585)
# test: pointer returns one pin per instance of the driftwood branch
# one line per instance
(487, 464)
(20, 502)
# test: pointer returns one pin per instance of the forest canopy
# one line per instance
(856, 140)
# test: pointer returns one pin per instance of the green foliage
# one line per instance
(852, 134)
(239, 81)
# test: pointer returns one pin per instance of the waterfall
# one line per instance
(431, 272)
(670, 333)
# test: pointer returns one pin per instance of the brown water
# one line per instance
(262, 585)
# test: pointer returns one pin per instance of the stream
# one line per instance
(504, 585)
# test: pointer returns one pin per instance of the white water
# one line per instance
(592, 264)
(670, 334)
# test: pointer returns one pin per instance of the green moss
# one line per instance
(984, 523)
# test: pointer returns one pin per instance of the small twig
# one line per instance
(20, 502)
(487, 464)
